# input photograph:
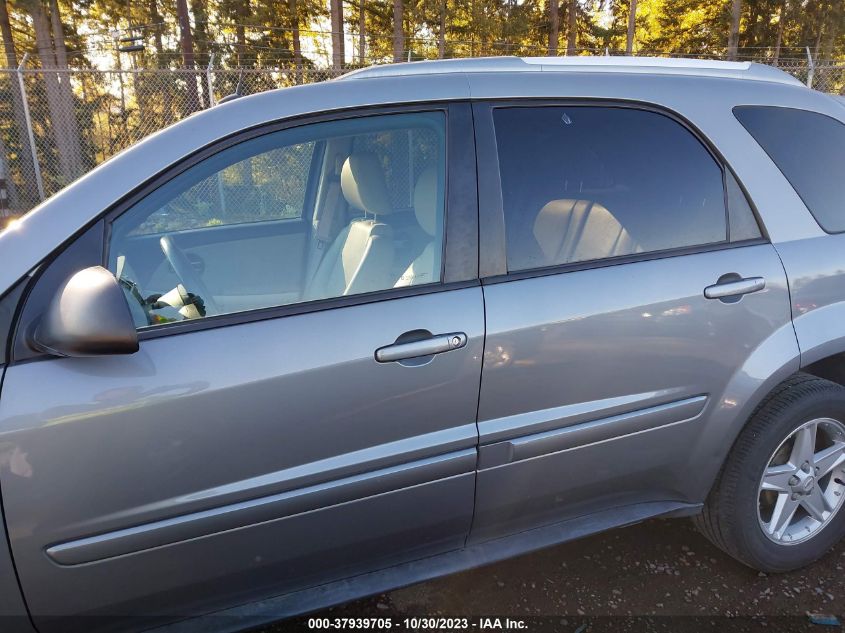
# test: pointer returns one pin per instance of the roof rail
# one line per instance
(581, 64)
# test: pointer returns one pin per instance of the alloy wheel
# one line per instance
(803, 486)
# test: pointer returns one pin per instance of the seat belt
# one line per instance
(325, 231)
(326, 227)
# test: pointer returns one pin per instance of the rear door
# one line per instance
(626, 282)
(263, 448)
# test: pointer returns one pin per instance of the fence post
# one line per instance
(28, 118)
(811, 68)
(209, 80)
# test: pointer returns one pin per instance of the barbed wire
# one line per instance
(285, 56)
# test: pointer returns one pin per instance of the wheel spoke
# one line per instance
(810, 481)
(776, 478)
(815, 504)
(805, 445)
(829, 459)
(782, 514)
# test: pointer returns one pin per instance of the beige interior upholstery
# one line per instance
(363, 184)
(361, 257)
(425, 268)
(579, 230)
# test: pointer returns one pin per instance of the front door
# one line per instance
(303, 404)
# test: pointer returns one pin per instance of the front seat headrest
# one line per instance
(426, 200)
(363, 184)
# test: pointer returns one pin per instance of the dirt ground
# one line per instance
(657, 576)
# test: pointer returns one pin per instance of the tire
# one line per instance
(736, 514)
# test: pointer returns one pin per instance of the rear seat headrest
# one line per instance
(569, 230)
(363, 184)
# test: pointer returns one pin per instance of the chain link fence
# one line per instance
(55, 125)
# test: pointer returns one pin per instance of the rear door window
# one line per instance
(582, 183)
(809, 149)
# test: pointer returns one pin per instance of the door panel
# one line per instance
(596, 388)
(221, 465)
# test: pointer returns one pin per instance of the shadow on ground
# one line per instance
(661, 575)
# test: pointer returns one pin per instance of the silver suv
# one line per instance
(320, 342)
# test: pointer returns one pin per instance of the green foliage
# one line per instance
(255, 33)
(109, 111)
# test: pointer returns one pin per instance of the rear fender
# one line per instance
(773, 361)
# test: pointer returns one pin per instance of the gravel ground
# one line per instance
(657, 576)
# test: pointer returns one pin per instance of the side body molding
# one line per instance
(268, 508)
(579, 425)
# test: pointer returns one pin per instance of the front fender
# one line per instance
(13, 612)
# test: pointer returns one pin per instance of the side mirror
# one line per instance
(88, 316)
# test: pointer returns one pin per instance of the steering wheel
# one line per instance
(187, 275)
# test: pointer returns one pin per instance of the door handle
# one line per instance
(734, 286)
(436, 344)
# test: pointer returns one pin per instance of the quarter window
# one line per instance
(809, 149)
(584, 183)
(305, 214)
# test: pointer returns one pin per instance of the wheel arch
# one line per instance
(831, 367)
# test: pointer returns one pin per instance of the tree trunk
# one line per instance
(12, 201)
(241, 14)
(632, 27)
(754, 26)
(155, 19)
(240, 43)
(58, 34)
(8, 41)
(186, 40)
(198, 8)
(338, 52)
(821, 23)
(297, 45)
(832, 29)
(74, 146)
(554, 27)
(572, 28)
(186, 43)
(67, 144)
(779, 40)
(362, 33)
(398, 30)
(733, 36)
(25, 157)
(441, 33)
